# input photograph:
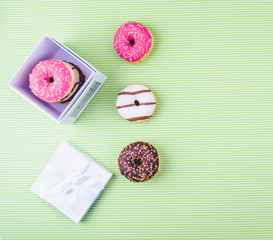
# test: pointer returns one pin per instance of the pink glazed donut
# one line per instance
(133, 42)
(55, 81)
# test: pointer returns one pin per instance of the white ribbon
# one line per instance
(74, 192)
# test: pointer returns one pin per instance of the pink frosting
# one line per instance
(132, 41)
(41, 77)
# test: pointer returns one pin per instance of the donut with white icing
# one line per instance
(136, 103)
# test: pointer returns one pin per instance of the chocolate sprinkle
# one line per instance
(139, 161)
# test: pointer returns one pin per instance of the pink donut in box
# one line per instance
(56, 81)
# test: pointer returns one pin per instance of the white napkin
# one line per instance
(71, 182)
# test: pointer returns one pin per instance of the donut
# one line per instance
(139, 161)
(133, 42)
(55, 81)
(136, 103)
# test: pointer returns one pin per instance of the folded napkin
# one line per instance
(71, 182)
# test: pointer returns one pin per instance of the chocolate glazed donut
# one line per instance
(139, 161)
(78, 85)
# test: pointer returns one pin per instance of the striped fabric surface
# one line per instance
(211, 71)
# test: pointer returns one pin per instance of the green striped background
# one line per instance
(211, 71)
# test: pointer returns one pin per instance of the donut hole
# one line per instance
(137, 162)
(131, 42)
(51, 80)
(136, 102)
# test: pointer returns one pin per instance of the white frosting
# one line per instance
(133, 112)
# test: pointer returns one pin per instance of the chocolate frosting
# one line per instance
(78, 85)
(139, 161)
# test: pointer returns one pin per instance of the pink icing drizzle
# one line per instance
(141, 37)
(41, 86)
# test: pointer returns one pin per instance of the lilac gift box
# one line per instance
(49, 48)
